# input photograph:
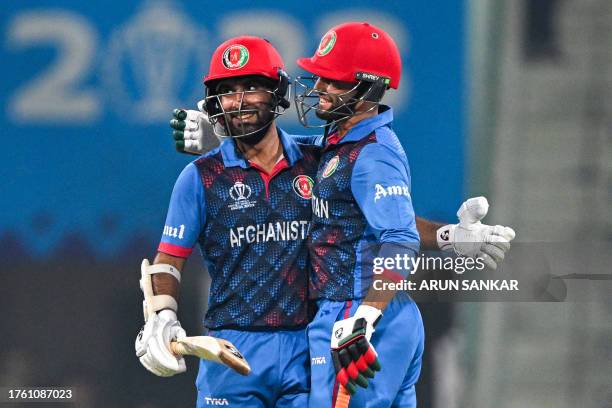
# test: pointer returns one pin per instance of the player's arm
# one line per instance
(381, 186)
(470, 237)
(160, 281)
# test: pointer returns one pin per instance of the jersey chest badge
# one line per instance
(240, 193)
(302, 185)
(331, 166)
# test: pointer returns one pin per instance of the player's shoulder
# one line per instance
(387, 143)
(210, 158)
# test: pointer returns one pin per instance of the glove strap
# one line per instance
(154, 303)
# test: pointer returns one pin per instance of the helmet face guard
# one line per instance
(369, 88)
(220, 118)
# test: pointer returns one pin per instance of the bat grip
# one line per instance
(177, 348)
(343, 398)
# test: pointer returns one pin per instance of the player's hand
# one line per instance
(354, 358)
(471, 238)
(192, 132)
(153, 344)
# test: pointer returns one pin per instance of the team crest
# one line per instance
(235, 56)
(302, 185)
(327, 43)
(332, 165)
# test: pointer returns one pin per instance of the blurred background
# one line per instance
(507, 99)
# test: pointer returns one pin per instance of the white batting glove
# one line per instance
(153, 344)
(192, 132)
(473, 239)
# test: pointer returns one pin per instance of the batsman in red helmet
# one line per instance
(246, 204)
(362, 211)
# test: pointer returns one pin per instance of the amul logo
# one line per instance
(235, 56)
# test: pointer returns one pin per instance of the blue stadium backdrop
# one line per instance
(87, 90)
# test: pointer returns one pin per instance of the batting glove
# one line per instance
(153, 344)
(353, 356)
(192, 132)
(473, 239)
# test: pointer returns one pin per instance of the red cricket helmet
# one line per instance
(239, 57)
(244, 55)
(351, 48)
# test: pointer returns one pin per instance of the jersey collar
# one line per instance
(367, 126)
(232, 156)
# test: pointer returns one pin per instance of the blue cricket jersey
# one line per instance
(361, 198)
(251, 227)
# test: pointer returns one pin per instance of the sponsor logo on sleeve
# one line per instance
(381, 191)
(174, 232)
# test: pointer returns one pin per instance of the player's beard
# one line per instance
(339, 108)
(255, 128)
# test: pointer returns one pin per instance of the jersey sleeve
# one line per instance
(186, 214)
(381, 187)
(315, 140)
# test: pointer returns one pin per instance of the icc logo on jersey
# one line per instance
(240, 193)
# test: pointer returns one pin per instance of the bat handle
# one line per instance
(177, 348)
(343, 398)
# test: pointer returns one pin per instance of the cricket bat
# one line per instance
(343, 398)
(213, 349)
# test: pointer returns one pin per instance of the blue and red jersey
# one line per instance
(361, 199)
(251, 227)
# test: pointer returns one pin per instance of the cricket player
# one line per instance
(361, 203)
(247, 205)
(470, 237)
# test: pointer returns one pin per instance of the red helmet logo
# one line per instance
(235, 56)
(327, 43)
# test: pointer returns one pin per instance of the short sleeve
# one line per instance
(186, 214)
(381, 186)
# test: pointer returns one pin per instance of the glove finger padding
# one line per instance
(355, 358)
(494, 252)
(505, 232)
(341, 373)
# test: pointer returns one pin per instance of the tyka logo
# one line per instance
(216, 401)
(240, 193)
(318, 361)
(445, 235)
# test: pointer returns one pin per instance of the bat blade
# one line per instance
(212, 349)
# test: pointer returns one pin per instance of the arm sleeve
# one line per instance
(186, 214)
(381, 187)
